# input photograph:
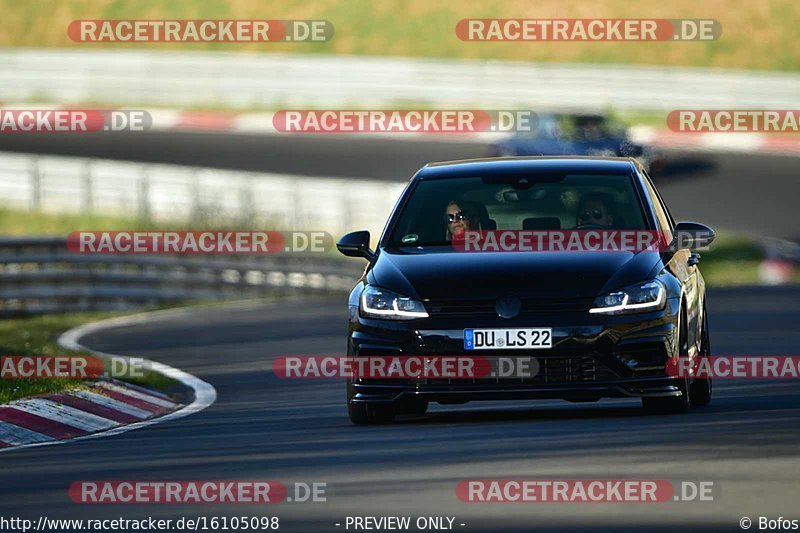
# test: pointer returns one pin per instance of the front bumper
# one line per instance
(593, 356)
(462, 393)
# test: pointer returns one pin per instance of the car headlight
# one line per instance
(644, 297)
(381, 303)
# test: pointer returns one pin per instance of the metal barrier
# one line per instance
(40, 275)
(199, 196)
(270, 81)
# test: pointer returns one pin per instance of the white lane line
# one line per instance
(63, 414)
(17, 436)
(111, 403)
(149, 398)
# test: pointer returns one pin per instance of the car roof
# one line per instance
(510, 166)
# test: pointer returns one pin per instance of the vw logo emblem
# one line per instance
(508, 306)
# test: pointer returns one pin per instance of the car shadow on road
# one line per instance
(511, 415)
(760, 396)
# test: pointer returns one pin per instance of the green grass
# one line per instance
(37, 336)
(16, 222)
(729, 273)
(733, 260)
(657, 119)
(755, 35)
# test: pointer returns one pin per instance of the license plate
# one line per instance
(508, 339)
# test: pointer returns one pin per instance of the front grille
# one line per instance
(552, 371)
(486, 307)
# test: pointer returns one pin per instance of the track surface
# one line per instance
(291, 430)
(751, 193)
(262, 427)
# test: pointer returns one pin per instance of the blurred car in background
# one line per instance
(576, 134)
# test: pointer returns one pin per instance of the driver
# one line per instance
(460, 217)
(594, 210)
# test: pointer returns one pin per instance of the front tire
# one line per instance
(701, 389)
(362, 413)
(674, 405)
(369, 414)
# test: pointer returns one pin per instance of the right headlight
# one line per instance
(647, 296)
(382, 303)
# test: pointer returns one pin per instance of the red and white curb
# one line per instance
(105, 408)
(741, 142)
(55, 417)
(261, 123)
(217, 121)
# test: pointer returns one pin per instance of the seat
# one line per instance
(483, 215)
(541, 223)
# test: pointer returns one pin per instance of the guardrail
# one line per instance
(40, 275)
(168, 193)
(247, 81)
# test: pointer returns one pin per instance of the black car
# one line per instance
(614, 320)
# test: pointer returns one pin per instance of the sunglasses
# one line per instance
(457, 217)
(594, 213)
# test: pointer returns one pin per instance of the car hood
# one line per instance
(460, 275)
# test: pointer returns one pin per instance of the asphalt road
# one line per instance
(297, 431)
(262, 427)
(750, 193)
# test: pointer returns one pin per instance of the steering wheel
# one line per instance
(590, 225)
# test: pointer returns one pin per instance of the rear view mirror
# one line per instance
(356, 244)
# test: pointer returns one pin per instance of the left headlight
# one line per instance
(643, 297)
(381, 303)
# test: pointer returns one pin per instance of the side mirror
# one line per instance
(692, 235)
(356, 244)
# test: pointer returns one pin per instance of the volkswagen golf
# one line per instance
(593, 322)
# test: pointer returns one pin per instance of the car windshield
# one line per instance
(438, 208)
